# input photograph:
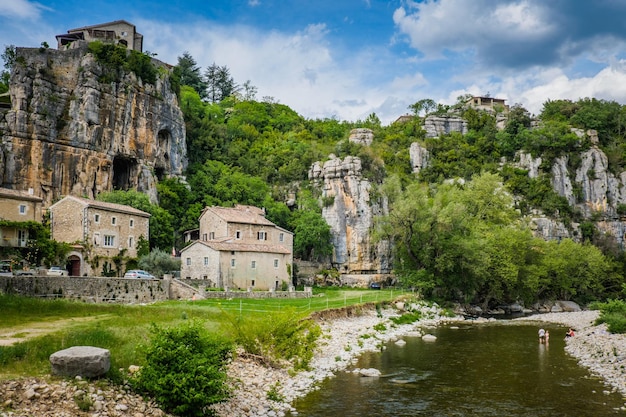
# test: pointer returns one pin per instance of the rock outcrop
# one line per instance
(350, 212)
(68, 133)
(362, 136)
(419, 157)
(436, 126)
(589, 187)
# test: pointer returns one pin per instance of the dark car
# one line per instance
(376, 286)
(138, 273)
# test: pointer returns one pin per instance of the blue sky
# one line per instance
(349, 58)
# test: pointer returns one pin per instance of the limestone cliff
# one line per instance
(67, 133)
(436, 126)
(590, 187)
(350, 212)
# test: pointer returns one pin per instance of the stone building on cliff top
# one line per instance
(68, 133)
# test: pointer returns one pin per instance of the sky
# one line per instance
(347, 59)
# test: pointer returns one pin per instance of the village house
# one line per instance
(488, 103)
(119, 32)
(98, 230)
(239, 248)
(17, 208)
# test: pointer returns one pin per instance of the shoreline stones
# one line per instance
(342, 342)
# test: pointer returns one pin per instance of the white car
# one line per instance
(57, 271)
(138, 273)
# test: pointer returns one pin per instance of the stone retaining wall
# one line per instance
(89, 289)
(125, 291)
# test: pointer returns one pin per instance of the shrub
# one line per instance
(185, 369)
(613, 313)
(407, 318)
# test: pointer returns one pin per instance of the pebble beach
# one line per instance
(259, 391)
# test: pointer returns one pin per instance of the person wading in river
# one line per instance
(542, 336)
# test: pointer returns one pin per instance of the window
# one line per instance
(261, 235)
(131, 222)
(109, 241)
(204, 237)
(206, 261)
(96, 239)
(96, 218)
(232, 263)
(253, 265)
(113, 221)
(238, 234)
(131, 242)
(212, 235)
(275, 263)
(188, 261)
(22, 208)
(281, 237)
(252, 283)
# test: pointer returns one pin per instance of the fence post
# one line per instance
(240, 307)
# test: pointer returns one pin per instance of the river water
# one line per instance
(473, 370)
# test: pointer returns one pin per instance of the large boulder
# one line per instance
(85, 361)
(568, 306)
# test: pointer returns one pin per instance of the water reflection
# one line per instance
(492, 370)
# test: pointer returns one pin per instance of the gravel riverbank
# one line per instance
(263, 392)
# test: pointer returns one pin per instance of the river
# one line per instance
(488, 370)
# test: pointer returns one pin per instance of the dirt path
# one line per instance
(16, 334)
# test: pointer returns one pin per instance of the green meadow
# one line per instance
(46, 326)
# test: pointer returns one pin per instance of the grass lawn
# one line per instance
(123, 329)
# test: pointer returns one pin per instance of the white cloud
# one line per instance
(298, 69)
(21, 9)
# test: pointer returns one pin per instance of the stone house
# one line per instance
(239, 248)
(119, 32)
(98, 230)
(487, 103)
(18, 207)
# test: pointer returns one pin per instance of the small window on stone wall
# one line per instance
(188, 261)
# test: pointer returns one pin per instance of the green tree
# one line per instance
(189, 74)
(313, 239)
(159, 262)
(220, 84)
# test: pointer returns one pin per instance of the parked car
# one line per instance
(57, 271)
(138, 273)
(376, 286)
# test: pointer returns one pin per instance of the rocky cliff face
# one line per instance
(351, 216)
(436, 126)
(66, 133)
(590, 188)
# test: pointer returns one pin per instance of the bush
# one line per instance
(185, 369)
(613, 313)
(407, 318)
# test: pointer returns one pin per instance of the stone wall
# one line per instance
(88, 289)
